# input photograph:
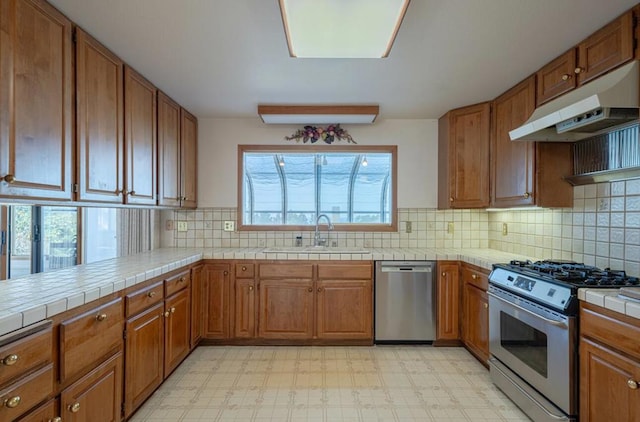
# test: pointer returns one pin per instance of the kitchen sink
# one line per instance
(315, 249)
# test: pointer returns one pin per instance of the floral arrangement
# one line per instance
(314, 134)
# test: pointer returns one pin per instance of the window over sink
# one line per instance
(288, 187)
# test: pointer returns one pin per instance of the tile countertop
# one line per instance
(608, 298)
(30, 299)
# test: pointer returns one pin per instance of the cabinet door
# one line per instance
(476, 321)
(448, 291)
(99, 97)
(140, 139)
(245, 308)
(513, 162)
(345, 309)
(556, 78)
(217, 286)
(467, 142)
(286, 309)
(197, 305)
(144, 357)
(605, 393)
(189, 159)
(177, 330)
(168, 151)
(96, 397)
(36, 94)
(606, 49)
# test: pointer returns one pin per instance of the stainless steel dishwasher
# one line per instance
(405, 310)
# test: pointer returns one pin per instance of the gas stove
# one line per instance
(554, 283)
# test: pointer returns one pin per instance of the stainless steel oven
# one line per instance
(533, 346)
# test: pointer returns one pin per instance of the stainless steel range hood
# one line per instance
(604, 103)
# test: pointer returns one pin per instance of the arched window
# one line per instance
(288, 187)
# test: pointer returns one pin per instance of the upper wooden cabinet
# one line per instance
(463, 157)
(99, 101)
(140, 139)
(606, 49)
(526, 173)
(177, 154)
(36, 101)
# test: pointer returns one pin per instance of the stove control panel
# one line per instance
(546, 292)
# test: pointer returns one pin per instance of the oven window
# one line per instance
(525, 342)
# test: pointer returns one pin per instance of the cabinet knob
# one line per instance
(310, 289)
(474, 276)
(632, 384)
(166, 314)
(319, 289)
(9, 178)
(526, 195)
(74, 408)
(101, 317)
(151, 294)
(9, 360)
(444, 274)
(173, 310)
(486, 305)
(226, 273)
(578, 70)
(250, 288)
(244, 268)
(566, 77)
(451, 199)
(12, 402)
(181, 280)
(56, 419)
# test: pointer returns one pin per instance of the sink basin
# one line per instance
(315, 249)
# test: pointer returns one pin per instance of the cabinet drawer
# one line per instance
(286, 271)
(43, 413)
(245, 270)
(22, 356)
(345, 271)
(176, 283)
(144, 298)
(26, 393)
(88, 338)
(475, 277)
(611, 328)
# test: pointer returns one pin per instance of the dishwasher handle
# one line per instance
(406, 267)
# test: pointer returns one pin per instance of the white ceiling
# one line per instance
(221, 58)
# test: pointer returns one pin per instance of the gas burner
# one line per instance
(521, 264)
(577, 273)
(608, 277)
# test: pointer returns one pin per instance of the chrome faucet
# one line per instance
(317, 241)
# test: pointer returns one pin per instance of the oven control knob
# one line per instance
(632, 384)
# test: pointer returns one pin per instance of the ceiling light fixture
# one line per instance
(341, 29)
(318, 114)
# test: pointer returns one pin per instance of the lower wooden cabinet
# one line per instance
(448, 303)
(344, 309)
(144, 356)
(475, 311)
(217, 285)
(609, 366)
(97, 396)
(286, 309)
(197, 305)
(47, 412)
(26, 393)
(177, 330)
(244, 321)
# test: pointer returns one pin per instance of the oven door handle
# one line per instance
(547, 320)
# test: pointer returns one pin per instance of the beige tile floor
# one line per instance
(326, 384)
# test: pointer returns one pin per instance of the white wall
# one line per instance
(417, 141)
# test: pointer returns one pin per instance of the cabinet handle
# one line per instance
(101, 317)
(12, 402)
(474, 276)
(9, 178)
(151, 294)
(310, 289)
(56, 419)
(451, 199)
(250, 288)
(181, 280)
(578, 70)
(566, 77)
(75, 407)
(319, 289)
(166, 314)
(9, 360)
(632, 384)
(486, 305)
(244, 268)
(444, 274)
(226, 273)
(173, 310)
(526, 195)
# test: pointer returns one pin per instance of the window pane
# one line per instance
(299, 175)
(370, 198)
(263, 176)
(335, 183)
(20, 241)
(59, 237)
(101, 234)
